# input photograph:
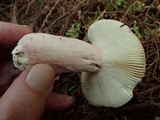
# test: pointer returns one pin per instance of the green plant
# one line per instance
(108, 6)
(42, 3)
(117, 4)
(74, 31)
(74, 88)
(124, 118)
(120, 3)
(138, 6)
(135, 29)
(156, 118)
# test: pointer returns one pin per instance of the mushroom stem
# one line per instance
(64, 54)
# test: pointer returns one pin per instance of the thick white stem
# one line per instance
(64, 54)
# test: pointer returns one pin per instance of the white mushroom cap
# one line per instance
(122, 68)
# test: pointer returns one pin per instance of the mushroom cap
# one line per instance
(122, 68)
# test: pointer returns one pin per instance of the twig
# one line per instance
(49, 13)
(151, 54)
(128, 10)
(14, 11)
(151, 65)
(64, 15)
(158, 60)
(28, 7)
(64, 80)
(150, 90)
(146, 15)
(92, 114)
(130, 108)
(57, 20)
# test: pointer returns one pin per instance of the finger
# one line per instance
(10, 34)
(26, 97)
(7, 74)
(58, 101)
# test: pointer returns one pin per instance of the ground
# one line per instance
(72, 18)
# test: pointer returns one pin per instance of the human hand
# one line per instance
(30, 92)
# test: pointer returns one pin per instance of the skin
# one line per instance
(25, 95)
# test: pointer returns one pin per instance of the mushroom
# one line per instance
(64, 54)
(122, 68)
(111, 67)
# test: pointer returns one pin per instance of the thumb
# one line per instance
(26, 97)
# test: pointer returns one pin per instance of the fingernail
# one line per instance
(63, 97)
(40, 77)
(27, 26)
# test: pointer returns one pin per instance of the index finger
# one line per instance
(9, 35)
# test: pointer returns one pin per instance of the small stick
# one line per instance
(14, 11)
(129, 108)
(128, 10)
(47, 16)
(64, 15)
(150, 90)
